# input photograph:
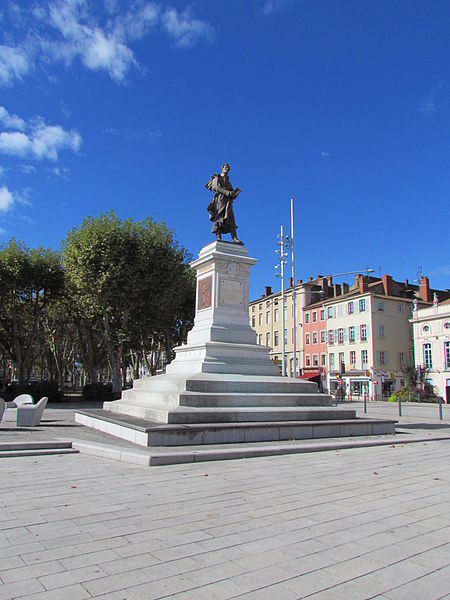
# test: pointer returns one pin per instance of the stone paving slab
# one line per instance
(354, 524)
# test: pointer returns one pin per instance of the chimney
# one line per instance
(290, 282)
(344, 288)
(337, 290)
(357, 280)
(363, 285)
(387, 284)
(406, 283)
(267, 291)
(299, 281)
(424, 289)
(310, 279)
(330, 280)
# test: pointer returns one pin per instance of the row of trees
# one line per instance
(118, 294)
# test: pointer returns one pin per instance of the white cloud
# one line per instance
(67, 30)
(65, 109)
(272, 6)
(11, 121)
(185, 30)
(6, 199)
(14, 63)
(429, 107)
(324, 154)
(39, 140)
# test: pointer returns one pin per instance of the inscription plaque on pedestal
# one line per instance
(231, 292)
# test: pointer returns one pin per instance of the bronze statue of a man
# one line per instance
(221, 206)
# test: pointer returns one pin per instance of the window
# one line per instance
(399, 308)
(315, 337)
(363, 333)
(331, 362)
(253, 320)
(275, 315)
(447, 355)
(330, 312)
(306, 317)
(351, 334)
(323, 360)
(331, 337)
(260, 307)
(400, 358)
(307, 338)
(268, 303)
(268, 317)
(314, 316)
(315, 360)
(253, 308)
(381, 330)
(322, 336)
(322, 314)
(427, 357)
(340, 336)
(364, 358)
(352, 357)
(382, 357)
(267, 339)
(275, 338)
(350, 308)
(447, 325)
(260, 318)
(380, 306)
(308, 360)
(339, 310)
(425, 329)
(362, 305)
(285, 336)
(260, 339)
(341, 359)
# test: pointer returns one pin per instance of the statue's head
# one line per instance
(225, 168)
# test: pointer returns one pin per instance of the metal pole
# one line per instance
(399, 406)
(294, 305)
(440, 409)
(365, 404)
(283, 321)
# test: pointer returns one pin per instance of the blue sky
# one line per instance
(132, 105)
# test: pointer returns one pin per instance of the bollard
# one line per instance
(365, 404)
(440, 409)
(399, 406)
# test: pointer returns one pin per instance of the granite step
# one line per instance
(235, 399)
(147, 433)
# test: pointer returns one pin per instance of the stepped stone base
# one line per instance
(146, 433)
(222, 387)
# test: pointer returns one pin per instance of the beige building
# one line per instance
(365, 326)
(368, 332)
(265, 318)
(431, 327)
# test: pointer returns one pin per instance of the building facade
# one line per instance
(431, 327)
(362, 329)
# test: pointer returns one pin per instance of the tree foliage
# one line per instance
(29, 280)
(132, 280)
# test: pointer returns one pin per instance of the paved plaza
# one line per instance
(342, 524)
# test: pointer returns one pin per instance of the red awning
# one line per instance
(310, 375)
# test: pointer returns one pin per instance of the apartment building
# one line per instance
(431, 329)
(265, 318)
(369, 332)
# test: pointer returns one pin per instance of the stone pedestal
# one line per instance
(222, 386)
(222, 340)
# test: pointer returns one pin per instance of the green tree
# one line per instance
(29, 280)
(130, 278)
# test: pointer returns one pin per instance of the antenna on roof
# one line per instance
(419, 273)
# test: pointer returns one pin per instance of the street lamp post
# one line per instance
(283, 243)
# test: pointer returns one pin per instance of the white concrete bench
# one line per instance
(30, 415)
